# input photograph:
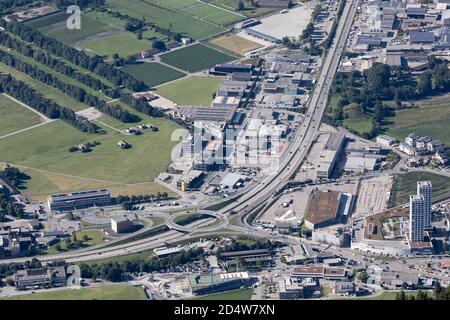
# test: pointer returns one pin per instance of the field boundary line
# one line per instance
(26, 129)
(47, 119)
(70, 175)
(227, 10)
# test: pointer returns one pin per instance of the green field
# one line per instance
(431, 118)
(15, 117)
(195, 58)
(94, 237)
(406, 185)
(144, 255)
(47, 91)
(153, 74)
(46, 148)
(125, 44)
(191, 90)
(356, 120)
(42, 184)
(47, 20)
(242, 294)
(171, 19)
(89, 27)
(107, 292)
(201, 10)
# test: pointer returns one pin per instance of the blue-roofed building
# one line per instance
(418, 37)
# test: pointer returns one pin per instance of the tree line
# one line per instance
(116, 271)
(81, 3)
(93, 64)
(439, 293)
(329, 40)
(21, 91)
(73, 91)
(136, 24)
(56, 64)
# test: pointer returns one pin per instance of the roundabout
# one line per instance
(199, 219)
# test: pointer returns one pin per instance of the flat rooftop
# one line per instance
(323, 206)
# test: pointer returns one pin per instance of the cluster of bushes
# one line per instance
(128, 202)
(115, 271)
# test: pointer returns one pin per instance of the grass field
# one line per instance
(125, 44)
(47, 20)
(144, 255)
(406, 185)
(195, 58)
(14, 117)
(356, 120)
(47, 91)
(153, 74)
(89, 27)
(46, 148)
(94, 237)
(236, 44)
(178, 22)
(243, 294)
(431, 118)
(191, 90)
(107, 292)
(42, 184)
(201, 10)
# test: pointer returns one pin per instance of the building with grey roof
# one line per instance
(420, 37)
(79, 200)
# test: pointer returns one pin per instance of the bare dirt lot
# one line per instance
(236, 44)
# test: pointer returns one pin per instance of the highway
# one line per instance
(304, 138)
(259, 194)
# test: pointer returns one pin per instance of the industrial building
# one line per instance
(79, 200)
(121, 224)
(202, 284)
(327, 208)
(319, 272)
(250, 257)
(40, 278)
(330, 155)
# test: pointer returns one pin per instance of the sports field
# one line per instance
(153, 74)
(202, 10)
(14, 117)
(236, 44)
(195, 58)
(430, 118)
(106, 292)
(46, 148)
(191, 90)
(185, 24)
(406, 185)
(125, 44)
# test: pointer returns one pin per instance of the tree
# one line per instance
(240, 5)
(85, 238)
(400, 295)
(363, 276)
(139, 35)
(424, 84)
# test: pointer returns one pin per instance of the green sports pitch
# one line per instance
(153, 74)
(195, 58)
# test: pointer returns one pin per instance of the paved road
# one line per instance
(304, 138)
